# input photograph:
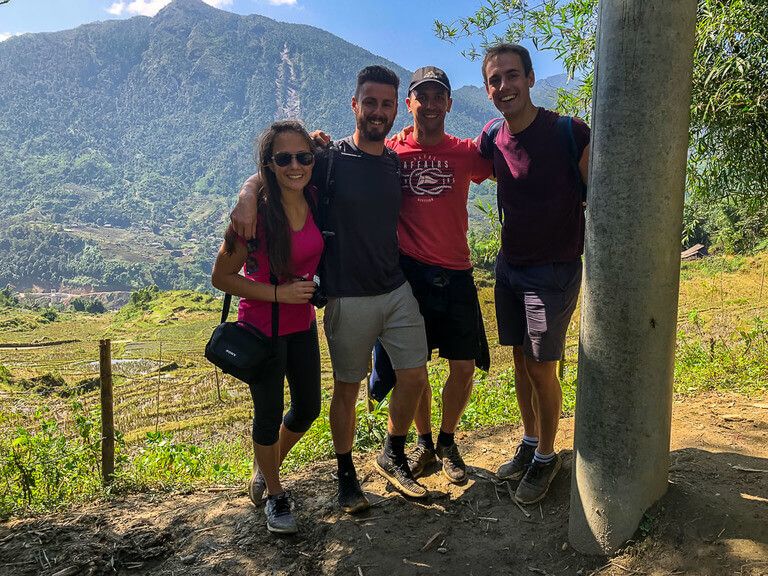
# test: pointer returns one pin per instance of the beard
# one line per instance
(374, 133)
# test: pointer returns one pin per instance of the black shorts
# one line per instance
(534, 305)
(448, 302)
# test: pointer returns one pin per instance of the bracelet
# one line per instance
(275, 293)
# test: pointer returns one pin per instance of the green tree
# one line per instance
(78, 304)
(8, 298)
(729, 107)
(95, 306)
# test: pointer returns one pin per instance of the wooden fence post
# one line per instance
(107, 417)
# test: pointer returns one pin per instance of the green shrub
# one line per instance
(78, 304)
(49, 314)
(5, 375)
(164, 462)
(95, 307)
(485, 241)
(737, 363)
(142, 297)
(7, 298)
(43, 468)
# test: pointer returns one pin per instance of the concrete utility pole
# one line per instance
(632, 267)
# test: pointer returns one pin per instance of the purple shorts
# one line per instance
(534, 305)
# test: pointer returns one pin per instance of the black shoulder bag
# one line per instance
(239, 348)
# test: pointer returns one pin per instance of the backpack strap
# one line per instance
(396, 159)
(492, 133)
(311, 196)
(565, 132)
(325, 196)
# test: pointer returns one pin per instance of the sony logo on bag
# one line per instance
(231, 353)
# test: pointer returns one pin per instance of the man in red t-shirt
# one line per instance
(436, 170)
(540, 160)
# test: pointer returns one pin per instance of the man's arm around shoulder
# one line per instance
(243, 216)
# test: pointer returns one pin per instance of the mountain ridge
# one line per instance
(146, 125)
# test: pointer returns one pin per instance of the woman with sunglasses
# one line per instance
(287, 248)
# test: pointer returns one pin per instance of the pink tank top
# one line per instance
(306, 248)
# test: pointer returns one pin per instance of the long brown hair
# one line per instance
(271, 213)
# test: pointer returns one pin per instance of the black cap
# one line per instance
(429, 74)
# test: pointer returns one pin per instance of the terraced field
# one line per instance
(164, 384)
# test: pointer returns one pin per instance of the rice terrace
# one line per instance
(183, 455)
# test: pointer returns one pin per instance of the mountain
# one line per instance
(122, 143)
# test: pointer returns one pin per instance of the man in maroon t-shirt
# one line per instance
(541, 169)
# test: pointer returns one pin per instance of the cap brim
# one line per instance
(425, 81)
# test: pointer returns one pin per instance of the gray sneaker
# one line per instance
(534, 485)
(419, 459)
(515, 468)
(257, 486)
(453, 465)
(280, 519)
(400, 476)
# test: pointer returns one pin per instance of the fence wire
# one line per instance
(158, 385)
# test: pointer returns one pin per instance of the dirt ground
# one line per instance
(712, 521)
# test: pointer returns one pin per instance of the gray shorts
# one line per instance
(353, 323)
(534, 305)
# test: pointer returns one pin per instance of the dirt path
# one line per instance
(713, 520)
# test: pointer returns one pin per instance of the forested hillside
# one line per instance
(122, 143)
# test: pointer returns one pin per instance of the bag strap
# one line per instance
(325, 196)
(314, 208)
(275, 309)
(565, 131)
(493, 132)
(225, 308)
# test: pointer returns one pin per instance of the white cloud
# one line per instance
(283, 2)
(116, 8)
(152, 7)
(146, 7)
(5, 35)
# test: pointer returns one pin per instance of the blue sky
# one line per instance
(400, 30)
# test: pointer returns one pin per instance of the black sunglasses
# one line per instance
(282, 159)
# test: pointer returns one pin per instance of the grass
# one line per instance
(178, 429)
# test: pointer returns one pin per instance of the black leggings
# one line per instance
(298, 359)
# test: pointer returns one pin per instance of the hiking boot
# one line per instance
(257, 486)
(419, 459)
(280, 519)
(453, 466)
(351, 497)
(534, 485)
(515, 468)
(399, 475)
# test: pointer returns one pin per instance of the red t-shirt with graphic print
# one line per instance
(435, 184)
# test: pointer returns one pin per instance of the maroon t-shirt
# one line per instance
(539, 190)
